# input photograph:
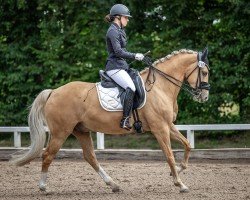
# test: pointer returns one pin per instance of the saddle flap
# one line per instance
(140, 89)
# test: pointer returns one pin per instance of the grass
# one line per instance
(147, 141)
(203, 140)
(233, 140)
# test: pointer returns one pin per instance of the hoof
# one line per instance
(184, 190)
(114, 186)
(42, 188)
(116, 189)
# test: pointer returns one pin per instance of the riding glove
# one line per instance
(139, 56)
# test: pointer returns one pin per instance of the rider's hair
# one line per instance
(109, 18)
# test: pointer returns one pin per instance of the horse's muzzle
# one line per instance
(201, 96)
(204, 86)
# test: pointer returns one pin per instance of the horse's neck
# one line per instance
(175, 67)
(159, 87)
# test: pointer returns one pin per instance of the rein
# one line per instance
(182, 85)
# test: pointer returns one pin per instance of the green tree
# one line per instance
(46, 43)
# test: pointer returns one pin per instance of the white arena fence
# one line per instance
(190, 129)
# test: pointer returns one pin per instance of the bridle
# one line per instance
(200, 85)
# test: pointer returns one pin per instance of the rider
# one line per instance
(116, 64)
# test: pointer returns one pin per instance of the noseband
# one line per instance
(200, 85)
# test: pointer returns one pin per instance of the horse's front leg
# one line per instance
(176, 135)
(163, 138)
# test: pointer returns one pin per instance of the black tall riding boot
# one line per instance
(127, 108)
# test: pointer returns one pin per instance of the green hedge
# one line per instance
(45, 44)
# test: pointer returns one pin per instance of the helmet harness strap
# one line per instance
(120, 20)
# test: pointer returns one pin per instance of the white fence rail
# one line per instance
(100, 136)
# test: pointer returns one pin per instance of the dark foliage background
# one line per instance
(45, 44)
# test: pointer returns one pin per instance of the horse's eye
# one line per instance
(204, 73)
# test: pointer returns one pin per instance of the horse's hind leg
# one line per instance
(86, 142)
(53, 147)
(176, 135)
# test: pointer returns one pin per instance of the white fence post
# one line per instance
(190, 137)
(17, 139)
(100, 140)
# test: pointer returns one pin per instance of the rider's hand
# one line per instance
(139, 56)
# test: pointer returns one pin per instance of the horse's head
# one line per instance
(194, 70)
(197, 76)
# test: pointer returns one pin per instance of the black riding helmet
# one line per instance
(120, 9)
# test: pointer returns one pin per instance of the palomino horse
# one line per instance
(75, 109)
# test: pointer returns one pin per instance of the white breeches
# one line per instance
(122, 78)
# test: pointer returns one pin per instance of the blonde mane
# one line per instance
(169, 56)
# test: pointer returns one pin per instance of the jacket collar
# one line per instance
(116, 26)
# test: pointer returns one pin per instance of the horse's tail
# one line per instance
(37, 130)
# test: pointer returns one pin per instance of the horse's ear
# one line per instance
(204, 54)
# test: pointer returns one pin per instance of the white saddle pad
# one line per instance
(109, 99)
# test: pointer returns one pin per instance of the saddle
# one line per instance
(111, 95)
(112, 88)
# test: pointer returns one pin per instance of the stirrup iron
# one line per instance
(125, 123)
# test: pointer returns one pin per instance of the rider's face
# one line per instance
(124, 20)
